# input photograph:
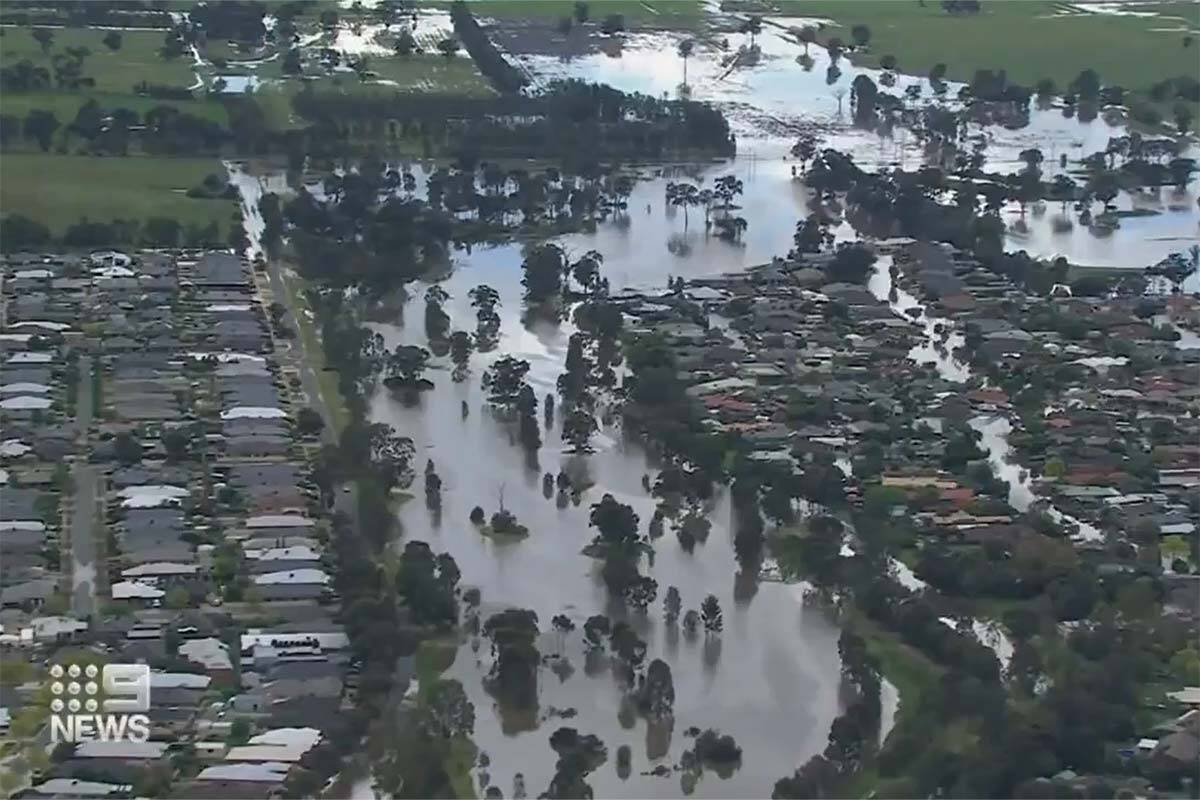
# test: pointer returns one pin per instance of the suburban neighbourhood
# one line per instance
(158, 508)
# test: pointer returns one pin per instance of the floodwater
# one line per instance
(993, 429)
(771, 679)
(770, 101)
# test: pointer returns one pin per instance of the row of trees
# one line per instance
(18, 232)
(503, 75)
(163, 130)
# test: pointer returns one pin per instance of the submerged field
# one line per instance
(59, 190)
(1030, 40)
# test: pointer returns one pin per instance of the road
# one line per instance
(293, 351)
(83, 506)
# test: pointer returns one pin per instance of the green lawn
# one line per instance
(59, 190)
(1032, 39)
(632, 10)
(113, 70)
(66, 104)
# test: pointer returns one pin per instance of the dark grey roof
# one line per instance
(220, 269)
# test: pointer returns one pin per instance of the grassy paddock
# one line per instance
(1032, 39)
(65, 105)
(113, 70)
(59, 190)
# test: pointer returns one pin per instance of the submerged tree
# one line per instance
(672, 604)
(513, 677)
(577, 430)
(710, 611)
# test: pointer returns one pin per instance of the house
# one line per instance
(284, 745)
(296, 584)
(249, 781)
(212, 654)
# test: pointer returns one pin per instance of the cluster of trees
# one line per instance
(852, 735)
(619, 543)
(514, 674)
(721, 197)
(912, 204)
(577, 122)
(656, 403)
(352, 239)
(163, 130)
(429, 585)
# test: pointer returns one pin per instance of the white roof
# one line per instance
(151, 495)
(279, 521)
(19, 338)
(178, 680)
(51, 627)
(14, 447)
(270, 772)
(290, 737)
(280, 744)
(21, 525)
(130, 590)
(127, 750)
(228, 357)
(1189, 695)
(24, 388)
(24, 401)
(326, 640)
(112, 272)
(33, 273)
(297, 576)
(71, 787)
(41, 323)
(255, 412)
(210, 653)
(1147, 744)
(30, 357)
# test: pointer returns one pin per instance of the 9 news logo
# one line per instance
(82, 693)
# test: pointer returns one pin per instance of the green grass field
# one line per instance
(113, 70)
(664, 11)
(59, 190)
(1031, 39)
(65, 105)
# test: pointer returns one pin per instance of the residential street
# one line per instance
(83, 507)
